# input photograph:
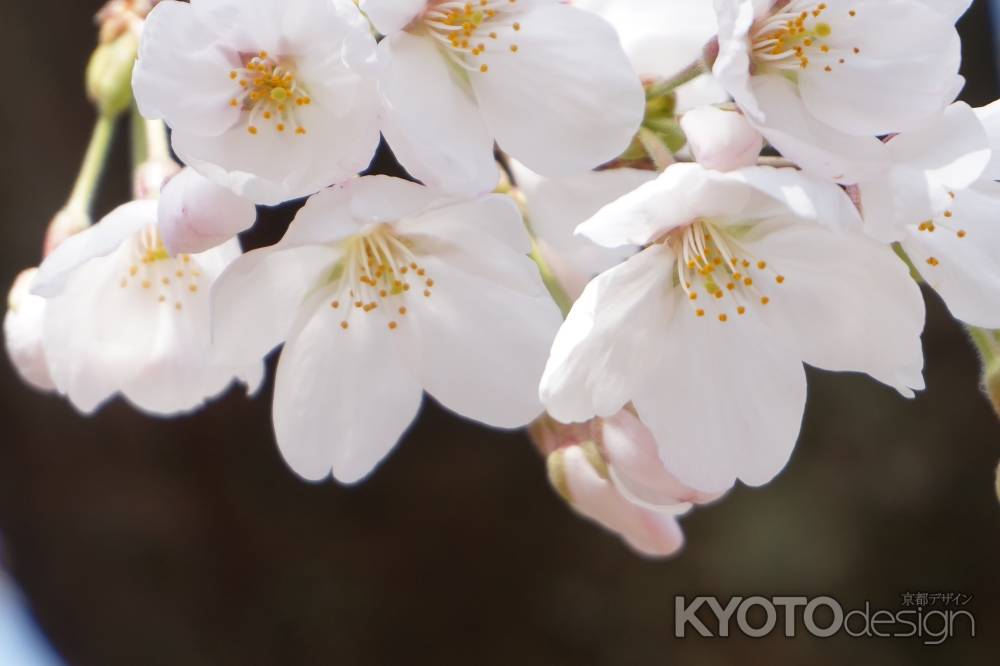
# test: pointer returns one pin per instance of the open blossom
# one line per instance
(124, 316)
(23, 326)
(381, 291)
(557, 206)
(745, 276)
(940, 201)
(549, 82)
(661, 38)
(271, 98)
(821, 80)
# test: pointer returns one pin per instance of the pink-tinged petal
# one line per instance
(596, 498)
(636, 469)
(195, 214)
(720, 139)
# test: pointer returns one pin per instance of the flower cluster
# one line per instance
(715, 195)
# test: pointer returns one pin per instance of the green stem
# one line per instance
(986, 343)
(655, 148)
(82, 197)
(689, 73)
(549, 278)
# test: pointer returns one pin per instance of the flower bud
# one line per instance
(634, 460)
(22, 328)
(196, 215)
(109, 74)
(721, 139)
(578, 474)
(66, 222)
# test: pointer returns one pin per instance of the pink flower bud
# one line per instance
(151, 177)
(636, 468)
(577, 473)
(196, 215)
(720, 139)
(23, 326)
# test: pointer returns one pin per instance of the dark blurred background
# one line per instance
(140, 541)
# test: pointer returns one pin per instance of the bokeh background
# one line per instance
(140, 541)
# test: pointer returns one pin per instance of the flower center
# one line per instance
(796, 36)
(467, 30)
(168, 279)
(269, 93)
(379, 272)
(717, 273)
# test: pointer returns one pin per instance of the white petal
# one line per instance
(23, 329)
(391, 16)
(720, 139)
(181, 70)
(798, 135)
(726, 400)
(482, 345)
(989, 115)
(567, 100)
(254, 303)
(597, 498)
(432, 123)
(98, 336)
(848, 302)
(678, 196)
(611, 340)
(967, 274)
(927, 166)
(100, 240)
(342, 398)
(484, 237)
(896, 81)
(195, 214)
(556, 206)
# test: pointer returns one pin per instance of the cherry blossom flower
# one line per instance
(745, 275)
(939, 200)
(124, 316)
(274, 99)
(549, 82)
(821, 80)
(382, 291)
